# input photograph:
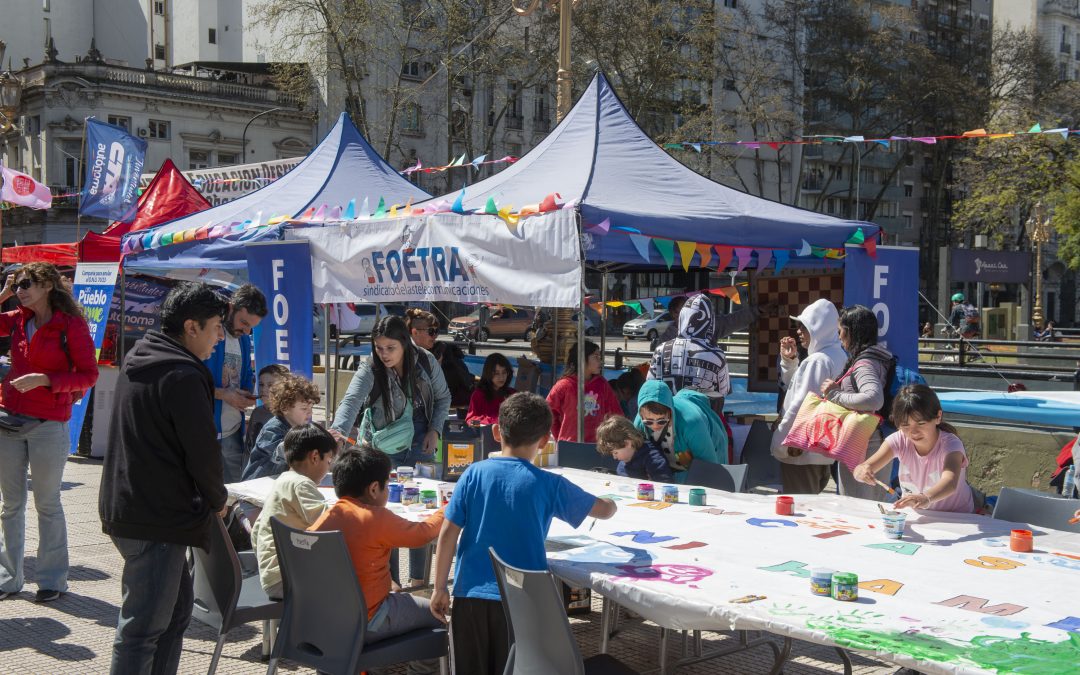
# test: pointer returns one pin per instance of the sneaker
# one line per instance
(4, 595)
(46, 595)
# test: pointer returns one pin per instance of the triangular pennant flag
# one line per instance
(743, 254)
(853, 139)
(335, 214)
(510, 219)
(1035, 129)
(818, 252)
(601, 228)
(1064, 131)
(636, 306)
(882, 142)
(647, 305)
(257, 220)
(871, 247)
(773, 145)
(364, 213)
(705, 251)
(781, 256)
(804, 250)
(735, 298)
(490, 207)
(764, 257)
(975, 132)
(615, 303)
(307, 214)
(548, 204)
(459, 206)
(393, 211)
(529, 210)
(350, 210)
(723, 254)
(641, 243)
(477, 161)
(667, 250)
(928, 140)
(856, 238)
(696, 147)
(686, 253)
(461, 160)
(320, 215)
(380, 211)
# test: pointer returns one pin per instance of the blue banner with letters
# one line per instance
(93, 289)
(282, 271)
(888, 285)
(114, 162)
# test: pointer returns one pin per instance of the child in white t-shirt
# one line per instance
(933, 464)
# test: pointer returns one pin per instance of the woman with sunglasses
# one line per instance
(424, 328)
(684, 426)
(52, 364)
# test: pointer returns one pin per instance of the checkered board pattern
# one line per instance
(792, 293)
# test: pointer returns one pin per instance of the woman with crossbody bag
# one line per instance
(399, 394)
(861, 388)
(53, 363)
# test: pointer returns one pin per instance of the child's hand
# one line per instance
(913, 501)
(440, 604)
(863, 474)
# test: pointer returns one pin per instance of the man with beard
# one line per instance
(234, 376)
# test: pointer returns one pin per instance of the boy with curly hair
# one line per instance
(291, 401)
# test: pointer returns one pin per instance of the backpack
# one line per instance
(898, 377)
(971, 315)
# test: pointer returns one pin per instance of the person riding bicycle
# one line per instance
(964, 318)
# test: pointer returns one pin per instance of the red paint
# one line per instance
(1020, 541)
(831, 534)
(785, 506)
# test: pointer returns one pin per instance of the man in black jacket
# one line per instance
(162, 480)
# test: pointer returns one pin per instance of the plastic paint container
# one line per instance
(821, 581)
(697, 496)
(1020, 541)
(785, 506)
(845, 587)
(429, 498)
(670, 494)
(405, 473)
(646, 492)
(893, 522)
(395, 492)
(410, 495)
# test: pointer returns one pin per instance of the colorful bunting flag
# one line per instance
(764, 257)
(856, 238)
(704, 251)
(600, 228)
(667, 250)
(781, 256)
(743, 254)
(641, 243)
(686, 253)
(804, 250)
(380, 211)
(723, 254)
(350, 210)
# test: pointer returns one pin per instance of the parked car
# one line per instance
(507, 324)
(648, 327)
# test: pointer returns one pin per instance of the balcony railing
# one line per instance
(541, 124)
(516, 122)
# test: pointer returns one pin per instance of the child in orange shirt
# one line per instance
(371, 532)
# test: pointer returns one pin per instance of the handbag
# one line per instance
(394, 437)
(832, 430)
(13, 424)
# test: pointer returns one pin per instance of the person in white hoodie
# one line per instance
(817, 327)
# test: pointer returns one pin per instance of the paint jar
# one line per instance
(646, 492)
(1020, 541)
(845, 587)
(410, 496)
(429, 498)
(785, 506)
(821, 581)
(446, 491)
(670, 494)
(893, 522)
(697, 496)
(405, 473)
(395, 492)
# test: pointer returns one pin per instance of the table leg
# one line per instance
(663, 651)
(845, 658)
(605, 624)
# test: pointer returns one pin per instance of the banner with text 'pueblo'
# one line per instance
(114, 161)
(282, 271)
(93, 290)
(889, 285)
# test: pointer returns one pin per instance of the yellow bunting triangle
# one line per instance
(686, 252)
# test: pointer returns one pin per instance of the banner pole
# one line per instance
(581, 343)
(603, 314)
(78, 210)
(326, 357)
(122, 329)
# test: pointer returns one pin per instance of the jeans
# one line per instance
(232, 456)
(404, 613)
(44, 449)
(417, 556)
(156, 608)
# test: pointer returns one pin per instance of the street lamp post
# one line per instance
(1038, 227)
(10, 94)
(243, 137)
(563, 92)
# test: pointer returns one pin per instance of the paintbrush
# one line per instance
(1073, 521)
(885, 487)
(882, 509)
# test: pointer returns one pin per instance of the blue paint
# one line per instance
(644, 537)
(1002, 622)
(766, 522)
(1069, 623)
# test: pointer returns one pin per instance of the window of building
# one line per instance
(213, 36)
(732, 4)
(159, 7)
(72, 163)
(159, 52)
(541, 114)
(48, 30)
(227, 158)
(123, 122)
(159, 129)
(729, 85)
(410, 119)
(513, 149)
(46, 5)
(198, 159)
(907, 220)
(410, 69)
(909, 189)
(513, 95)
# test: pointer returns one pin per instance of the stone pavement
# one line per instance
(74, 634)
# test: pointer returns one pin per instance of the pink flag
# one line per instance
(23, 190)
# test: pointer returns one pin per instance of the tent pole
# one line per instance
(603, 315)
(326, 358)
(121, 329)
(581, 347)
(331, 387)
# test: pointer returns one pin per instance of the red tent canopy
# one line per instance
(169, 196)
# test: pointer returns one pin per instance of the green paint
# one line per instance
(902, 549)
(794, 566)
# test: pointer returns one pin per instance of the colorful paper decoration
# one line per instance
(667, 250)
(641, 243)
(743, 254)
(600, 228)
(724, 254)
(781, 256)
(686, 253)
(704, 251)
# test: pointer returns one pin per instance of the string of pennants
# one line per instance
(646, 305)
(821, 139)
(459, 163)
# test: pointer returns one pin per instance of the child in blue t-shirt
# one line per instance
(506, 503)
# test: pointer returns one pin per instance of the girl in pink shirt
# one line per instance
(933, 465)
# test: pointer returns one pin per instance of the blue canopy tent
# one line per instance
(341, 168)
(601, 158)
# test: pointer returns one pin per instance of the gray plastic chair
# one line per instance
(223, 598)
(325, 617)
(542, 640)
(574, 455)
(727, 477)
(764, 469)
(1019, 505)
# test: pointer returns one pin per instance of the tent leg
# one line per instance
(581, 358)
(603, 315)
(121, 329)
(326, 359)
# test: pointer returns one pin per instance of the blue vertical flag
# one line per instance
(114, 161)
(93, 288)
(889, 286)
(282, 271)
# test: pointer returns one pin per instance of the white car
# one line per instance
(648, 327)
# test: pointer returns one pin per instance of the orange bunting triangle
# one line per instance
(529, 210)
(724, 254)
(705, 252)
(975, 132)
(686, 253)
(549, 202)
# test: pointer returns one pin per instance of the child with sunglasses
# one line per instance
(683, 426)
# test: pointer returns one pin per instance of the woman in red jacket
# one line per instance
(493, 389)
(52, 364)
(600, 399)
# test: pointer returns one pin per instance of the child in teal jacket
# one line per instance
(684, 426)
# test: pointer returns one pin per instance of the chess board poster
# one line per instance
(792, 293)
